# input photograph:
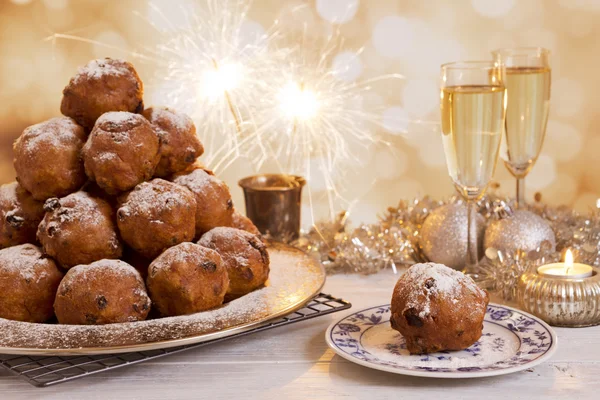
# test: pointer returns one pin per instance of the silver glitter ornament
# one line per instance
(443, 236)
(524, 231)
(394, 241)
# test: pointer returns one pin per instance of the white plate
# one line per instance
(511, 341)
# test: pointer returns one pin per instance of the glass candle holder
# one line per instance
(273, 203)
(561, 301)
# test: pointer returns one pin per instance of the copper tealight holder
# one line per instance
(561, 301)
(273, 203)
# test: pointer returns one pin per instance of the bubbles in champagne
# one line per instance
(528, 102)
(472, 122)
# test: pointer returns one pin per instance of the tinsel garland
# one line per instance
(393, 241)
(369, 248)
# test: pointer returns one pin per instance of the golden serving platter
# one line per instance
(295, 278)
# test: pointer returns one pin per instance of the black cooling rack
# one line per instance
(43, 371)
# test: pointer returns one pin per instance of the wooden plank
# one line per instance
(294, 362)
(331, 377)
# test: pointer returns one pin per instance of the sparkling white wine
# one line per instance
(472, 125)
(528, 102)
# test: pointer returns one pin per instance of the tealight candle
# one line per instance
(562, 294)
(567, 269)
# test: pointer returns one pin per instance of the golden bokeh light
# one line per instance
(224, 85)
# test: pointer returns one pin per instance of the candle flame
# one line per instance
(568, 261)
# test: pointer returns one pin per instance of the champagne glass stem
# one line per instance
(472, 256)
(520, 192)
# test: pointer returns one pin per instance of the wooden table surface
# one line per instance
(294, 362)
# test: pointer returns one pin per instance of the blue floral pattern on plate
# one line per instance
(511, 341)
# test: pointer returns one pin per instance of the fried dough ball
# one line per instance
(103, 292)
(99, 87)
(94, 190)
(186, 279)
(198, 164)
(155, 216)
(245, 256)
(244, 223)
(437, 308)
(28, 284)
(136, 260)
(47, 158)
(79, 229)
(180, 146)
(214, 206)
(20, 215)
(122, 151)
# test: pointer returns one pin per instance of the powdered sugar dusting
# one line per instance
(149, 198)
(199, 181)
(82, 208)
(82, 220)
(294, 278)
(181, 122)
(119, 117)
(56, 133)
(234, 245)
(116, 268)
(96, 69)
(212, 198)
(25, 261)
(227, 234)
(431, 280)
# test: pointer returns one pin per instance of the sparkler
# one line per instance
(253, 98)
(310, 116)
(210, 70)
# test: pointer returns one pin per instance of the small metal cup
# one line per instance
(273, 204)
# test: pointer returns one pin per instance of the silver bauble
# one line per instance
(523, 230)
(443, 236)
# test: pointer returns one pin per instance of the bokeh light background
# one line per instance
(411, 37)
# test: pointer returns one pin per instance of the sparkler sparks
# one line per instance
(253, 97)
(221, 80)
(312, 121)
(298, 102)
(211, 68)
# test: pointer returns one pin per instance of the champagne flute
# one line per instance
(528, 77)
(473, 105)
